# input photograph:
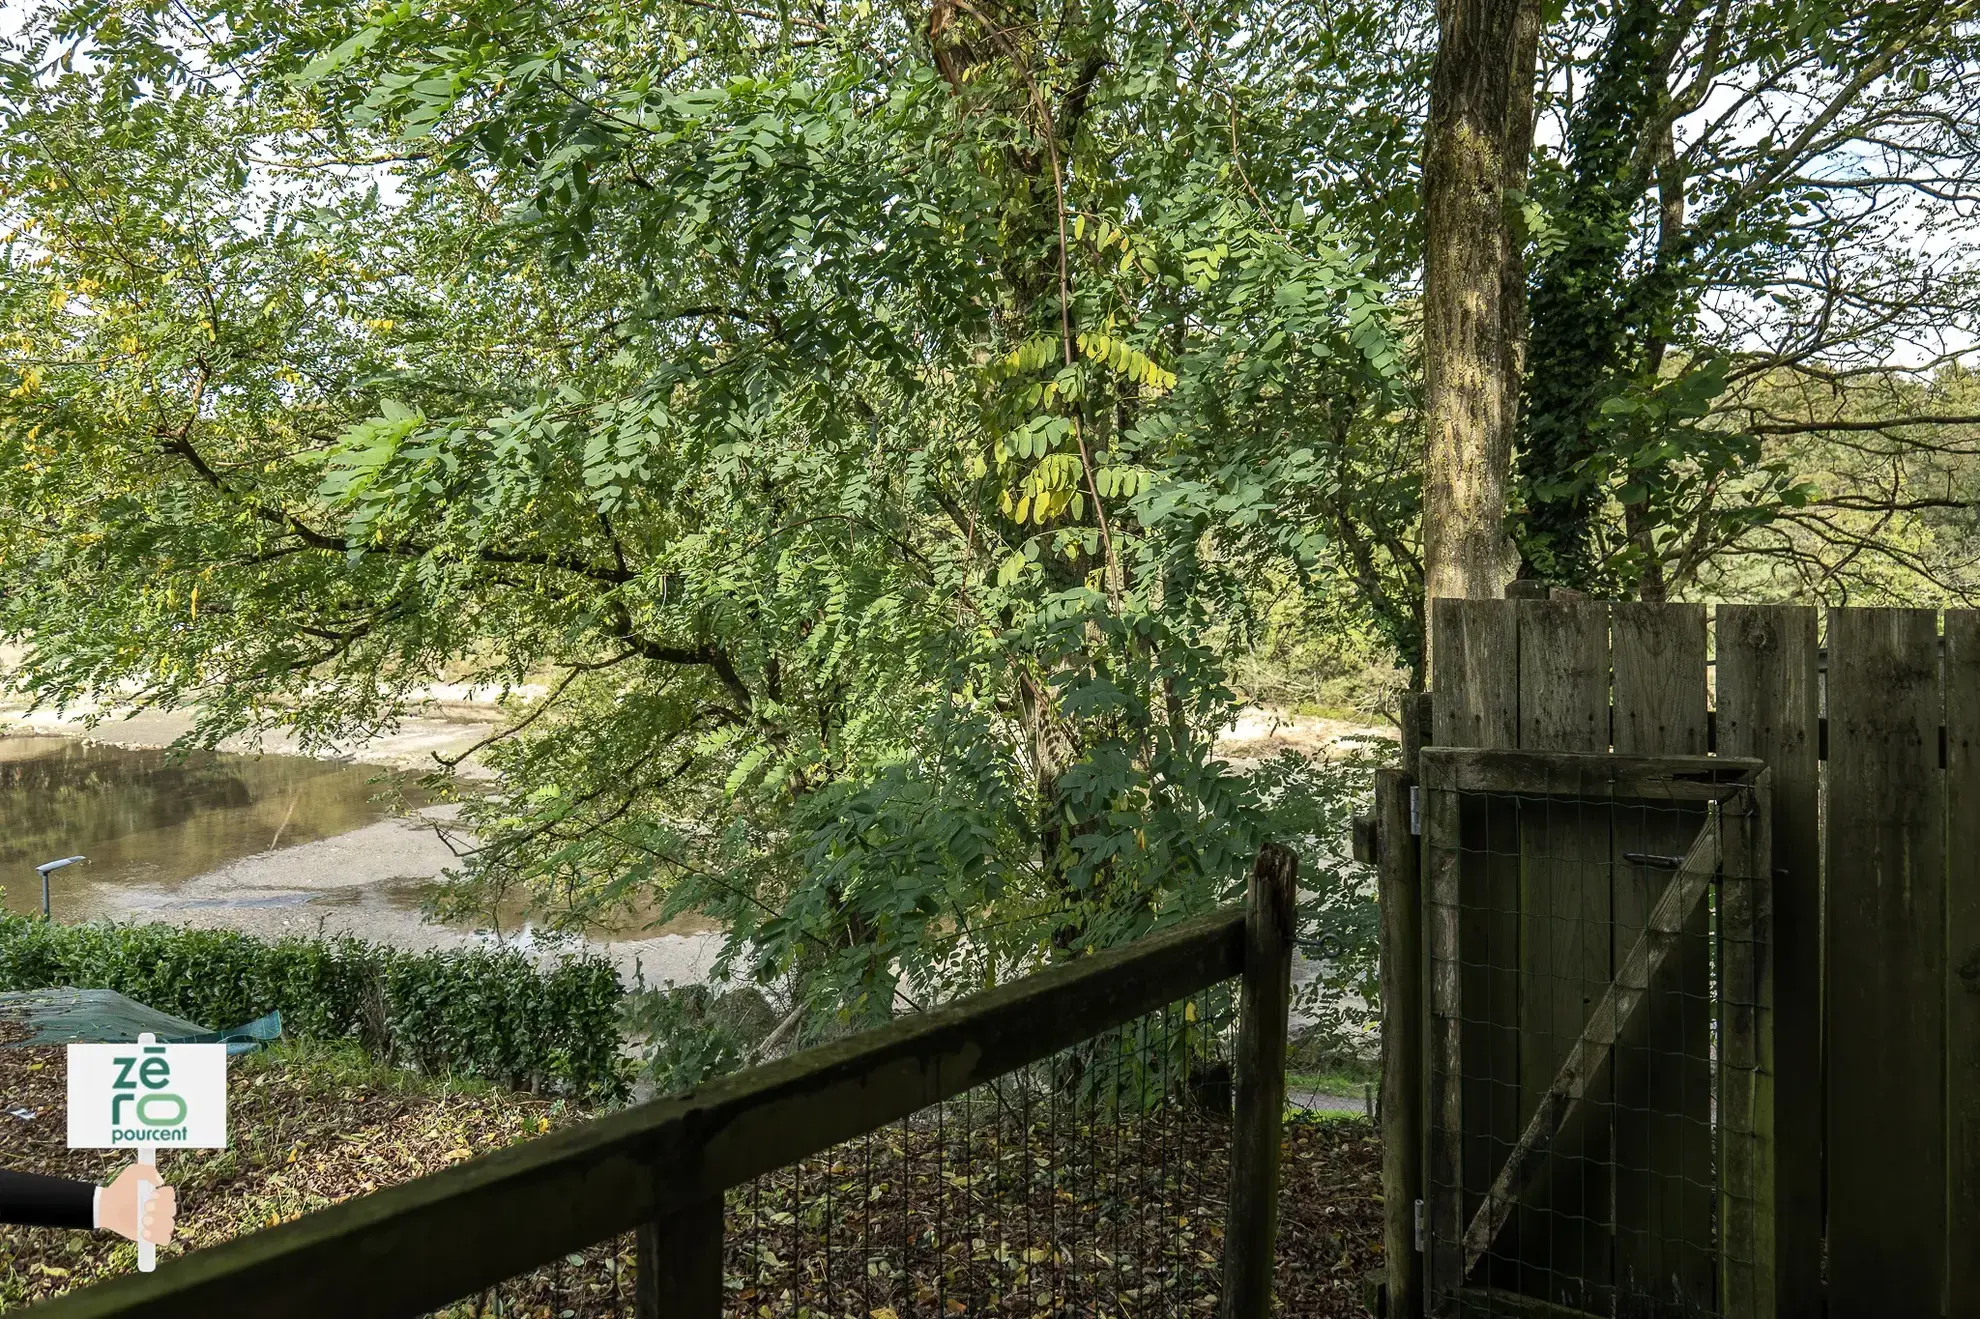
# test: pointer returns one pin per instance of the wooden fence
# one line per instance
(1872, 747)
(660, 1169)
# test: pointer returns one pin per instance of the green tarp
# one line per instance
(103, 1016)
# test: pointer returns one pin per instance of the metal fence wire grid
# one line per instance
(1092, 1183)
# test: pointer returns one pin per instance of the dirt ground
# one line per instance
(304, 1133)
(313, 1127)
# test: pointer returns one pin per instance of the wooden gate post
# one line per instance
(678, 1264)
(1963, 962)
(1251, 1226)
(1401, 880)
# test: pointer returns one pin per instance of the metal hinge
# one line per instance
(1422, 1240)
(1415, 811)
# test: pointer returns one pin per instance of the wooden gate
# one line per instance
(1600, 1065)
(1868, 815)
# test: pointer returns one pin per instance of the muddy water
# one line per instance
(269, 845)
(147, 818)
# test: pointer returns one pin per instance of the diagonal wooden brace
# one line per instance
(1619, 1002)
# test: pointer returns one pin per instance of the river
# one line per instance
(273, 843)
(267, 844)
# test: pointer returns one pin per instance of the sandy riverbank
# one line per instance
(448, 718)
(370, 883)
(449, 723)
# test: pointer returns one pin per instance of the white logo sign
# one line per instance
(169, 1095)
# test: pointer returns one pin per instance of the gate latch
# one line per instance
(1421, 1244)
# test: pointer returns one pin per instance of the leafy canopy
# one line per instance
(856, 422)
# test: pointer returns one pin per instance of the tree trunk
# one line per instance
(1476, 145)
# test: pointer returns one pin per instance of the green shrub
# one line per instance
(488, 1013)
(690, 1035)
(1310, 801)
(520, 1025)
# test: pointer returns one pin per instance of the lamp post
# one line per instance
(43, 870)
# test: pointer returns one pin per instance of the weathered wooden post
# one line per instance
(678, 1264)
(1251, 1227)
(1400, 876)
(1963, 944)
(1416, 717)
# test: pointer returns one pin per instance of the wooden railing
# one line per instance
(660, 1169)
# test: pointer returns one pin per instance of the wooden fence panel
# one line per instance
(1663, 1068)
(1963, 962)
(1564, 1240)
(1475, 660)
(1746, 1061)
(1875, 1013)
(1885, 877)
(1769, 707)
(1660, 679)
(1563, 676)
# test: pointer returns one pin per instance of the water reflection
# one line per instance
(148, 817)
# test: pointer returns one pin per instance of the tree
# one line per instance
(855, 422)
(875, 430)
(1747, 206)
(1477, 143)
(1893, 465)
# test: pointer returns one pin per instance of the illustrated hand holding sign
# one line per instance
(147, 1096)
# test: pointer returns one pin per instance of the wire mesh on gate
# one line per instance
(1599, 1065)
(1091, 1183)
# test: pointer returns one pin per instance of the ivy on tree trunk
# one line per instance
(1592, 326)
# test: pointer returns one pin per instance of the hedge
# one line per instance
(488, 1013)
